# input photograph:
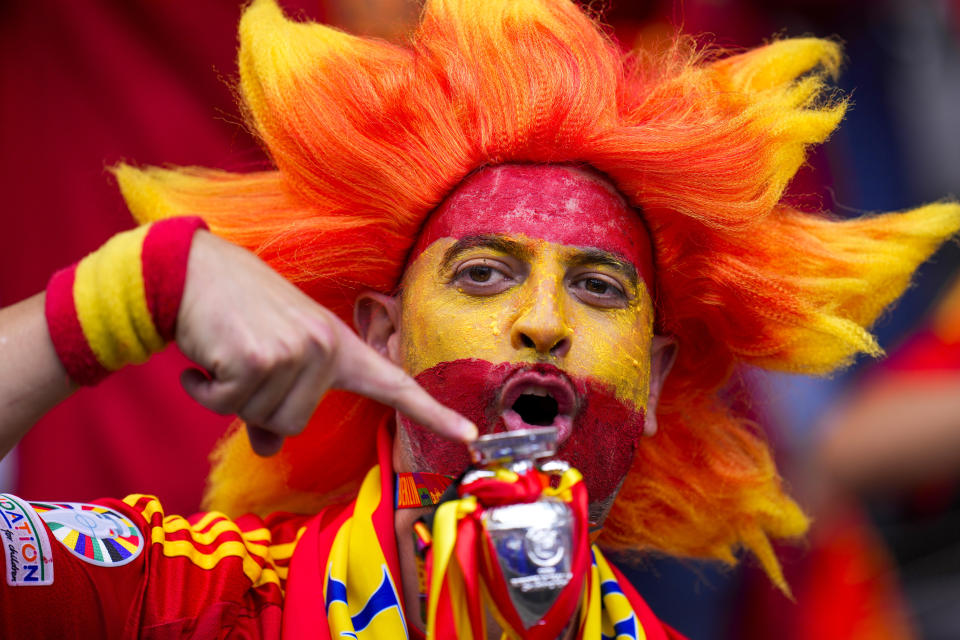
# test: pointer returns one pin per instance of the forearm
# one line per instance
(115, 307)
(32, 380)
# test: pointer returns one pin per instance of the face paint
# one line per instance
(554, 203)
(545, 313)
(601, 440)
(526, 304)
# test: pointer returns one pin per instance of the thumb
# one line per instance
(263, 442)
(197, 384)
(211, 393)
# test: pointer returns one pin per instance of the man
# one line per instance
(534, 228)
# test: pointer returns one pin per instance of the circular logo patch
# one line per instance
(95, 534)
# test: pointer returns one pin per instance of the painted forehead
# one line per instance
(549, 202)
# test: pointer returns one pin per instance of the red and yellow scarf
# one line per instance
(345, 579)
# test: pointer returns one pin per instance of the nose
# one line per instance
(541, 326)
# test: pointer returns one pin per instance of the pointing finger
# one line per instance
(364, 371)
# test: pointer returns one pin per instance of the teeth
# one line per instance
(536, 391)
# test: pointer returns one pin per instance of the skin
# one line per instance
(594, 317)
(555, 282)
(587, 321)
(32, 380)
(272, 353)
(387, 19)
(571, 302)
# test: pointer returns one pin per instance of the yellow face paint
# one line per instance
(528, 305)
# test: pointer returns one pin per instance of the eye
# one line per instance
(596, 285)
(480, 273)
(483, 276)
(599, 291)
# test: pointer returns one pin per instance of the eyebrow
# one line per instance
(591, 256)
(583, 257)
(486, 241)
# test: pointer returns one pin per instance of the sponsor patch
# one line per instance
(25, 544)
(95, 534)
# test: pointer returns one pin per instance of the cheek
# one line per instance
(470, 387)
(423, 450)
(442, 326)
(615, 348)
(604, 443)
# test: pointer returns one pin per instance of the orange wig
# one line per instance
(368, 137)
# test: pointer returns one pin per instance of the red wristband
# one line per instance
(119, 304)
(64, 326)
(166, 250)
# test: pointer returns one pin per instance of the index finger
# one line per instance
(362, 370)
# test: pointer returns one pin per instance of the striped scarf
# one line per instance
(349, 557)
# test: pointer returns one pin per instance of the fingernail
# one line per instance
(468, 430)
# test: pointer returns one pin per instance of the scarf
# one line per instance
(344, 579)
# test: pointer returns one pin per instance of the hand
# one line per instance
(271, 352)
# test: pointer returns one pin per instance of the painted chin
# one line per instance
(598, 434)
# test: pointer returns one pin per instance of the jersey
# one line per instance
(122, 569)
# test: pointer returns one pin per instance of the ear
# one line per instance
(376, 318)
(663, 353)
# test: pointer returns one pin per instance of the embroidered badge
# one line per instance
(95, 534)
(25, 544)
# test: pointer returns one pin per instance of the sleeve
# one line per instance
(122, 569)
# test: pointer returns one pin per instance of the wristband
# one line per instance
(119, 305)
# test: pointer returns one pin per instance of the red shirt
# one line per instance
(171, 577)
(121, 569)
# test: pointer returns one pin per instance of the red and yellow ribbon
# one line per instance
(465, 578)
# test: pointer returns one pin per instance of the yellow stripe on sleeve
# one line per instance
(173, 524)
(151, 507)
(254, 547)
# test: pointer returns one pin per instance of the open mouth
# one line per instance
(534, 399)
(536, 409)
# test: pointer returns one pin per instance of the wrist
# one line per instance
(119, 305)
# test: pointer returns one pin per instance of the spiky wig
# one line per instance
(368, 138)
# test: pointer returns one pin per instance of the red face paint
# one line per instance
(601, 442)
(567, 206)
